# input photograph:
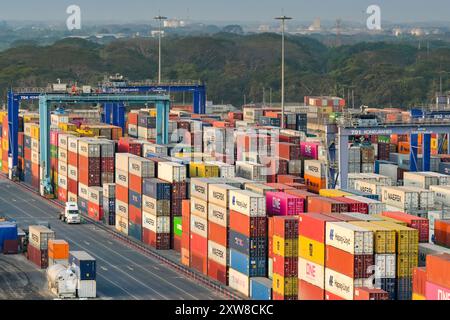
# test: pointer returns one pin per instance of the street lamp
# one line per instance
(283, 24)
(160, 19)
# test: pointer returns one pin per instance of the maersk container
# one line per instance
(172, 172)
(39, 236)
(400, 198)
(368, 187)
(260, 288)
(84, 265)
(315, 168)
(426, 197)
(419, 180)
(248, 265)
(199, 187)
(219, 194)
(8, 231)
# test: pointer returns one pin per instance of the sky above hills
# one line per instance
(395, 11)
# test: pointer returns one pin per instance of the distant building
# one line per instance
(155, 33)
(316, 25)
(417, 32)
(174, 23)
(397, 32)
(264, 28)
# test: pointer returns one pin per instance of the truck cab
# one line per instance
(71, 214)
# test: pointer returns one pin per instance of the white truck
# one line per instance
(71, 214)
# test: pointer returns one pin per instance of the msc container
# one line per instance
(84, 265)
(171, 172)
(219, 194)
(248, 203)
(421, 224)
(39, 236)
(350, 238)
(260, 288)
(400, 198)
(282, 204)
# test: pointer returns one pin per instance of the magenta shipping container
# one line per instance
(282, 204)
(435, 292)
(309, 150)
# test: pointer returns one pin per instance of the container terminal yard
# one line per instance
(115, 192)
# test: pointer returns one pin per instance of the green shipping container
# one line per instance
(384, 139)
(177, 230)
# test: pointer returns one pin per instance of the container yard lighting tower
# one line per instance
(283, 25)
(160, 19)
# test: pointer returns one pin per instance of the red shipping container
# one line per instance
(332, 296)
(133, 118)
(286, 178)
(285, 227)
(438, 267)
(217, 234)
(27, 153)
(177, 243)
(218, 272)
(326, 205)
(286, 267)
(307, 291)
(176, 207)
(199, 262)
(37, 256)
(419, 280)
(313, 226)
(135, 215)
(72, 186)
(290, 139)
(279, 186)
(179, 190)
(160, 241)
(414, 222)
(122, 193)
(296, 185)
(72, 158)
(353, 266)
(135, 183)
(342, 217)
(354, 205)
(363, 293)
(199, 244)
(62, 194)
(442, 232)
(107, 164)
(288, 151)
(95, 211)
(248, 226)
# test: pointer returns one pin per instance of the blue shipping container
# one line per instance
(444, 167)
(85, 265)
(8, 231)
(388, 285)
(157, 189)
(135, 230)
(404, 288)
(255, 247)
(250, 266)
(260, 288)
(135, 199)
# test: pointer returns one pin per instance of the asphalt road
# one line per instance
(122, 273)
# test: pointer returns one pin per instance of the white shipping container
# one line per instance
(109, 190)
(339, 284)
(350, 238)
(96, 195)
(385, 266)
(199, 208)
(389, 170)
(171, 172)
(426, 197)
(62, 168)
(121, 209)
(72, 144)
(218, 215)
(62, 181)
(441, 195)
(225, 170)
(39, 236)
(141, 167)
(311, 272)
(444, 179)
(63, 141)
(155, 224)
(155, 207)
(368, 187)
(88, 148)
(199, 226)
(374, 206)
(122, 161)
(419, 180)
(62, 155)
(259, 188)
(122, 224)
(83, 191)
(239, 282)
(248, 203)
(122, 178)
(199, 187)
(132, 130)
(217, 253)
(315, 168)
(219, 194)
(86, 288)
(400, 198)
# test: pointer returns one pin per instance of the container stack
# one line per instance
(95, 203)
(85, 268)
(218, 226)
(109, 203)
(58, 252)
(156, 213)
(354, 159)
(367, 159)
(186, 234)
(315, 175)
(63, 169)
(349, 259)
(4, 142)
(54, 159)
(247, 239)
(72, 168)
(37, 250)
(122, 192)
(433, 281)
(32, 130)
(285, 257)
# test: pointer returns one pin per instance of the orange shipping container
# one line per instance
(217, 234)
(314, 184)
(403, 147)
(438, 267)
(58, 249)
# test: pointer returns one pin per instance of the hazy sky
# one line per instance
(226, 10)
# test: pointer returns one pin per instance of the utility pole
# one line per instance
(283, 26)
(264, 96)
(270, 97)
(160, 19)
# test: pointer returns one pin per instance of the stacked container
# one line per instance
(315, 175)
(58, 252)
(122, 192)
(72, 168)
(85, 267)
(37, 250)
(63, 169)
(109, 203)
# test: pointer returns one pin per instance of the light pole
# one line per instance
(283, 24)
(160, 19)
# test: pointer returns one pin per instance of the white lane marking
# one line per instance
(130, 268)
(87, 243)
(109, 242)
(156, 268)
(103, 268)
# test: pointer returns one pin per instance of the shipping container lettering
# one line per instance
(199, 189)
(218, 214)
(135, 167)
(366, 189)
(150, 221)
(84, 149)
(310, 270)
(94, 196)
(339, 238)
(276, 203)
(217, 252)
(200, 225)
(122, 177)
(35, 237)
(393, 197)
(239, 203)
(442, 295)
(218, 195)
(313, 168)
(122, 224)
(73, 145)
(341, 286)
(199, 207)
(122, 208)
(149, 204)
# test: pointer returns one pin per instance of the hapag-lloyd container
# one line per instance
(436, 292)
(350, 238)
(248, 203)
(309, 149)
(283, 204)
(311, 272)
(339, 284)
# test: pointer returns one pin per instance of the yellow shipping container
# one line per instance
(152, 112)
(406, 262)
(202, 170)
(285, 286)
(285, 247)
(407, 239)
(384, 238)
(333, 193)
(66, 127)
(4, 144)
(311, 250)
(35, 129)
(416, 296)
(392, 220)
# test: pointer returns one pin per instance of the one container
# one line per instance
(84, 265)
(350, 238)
